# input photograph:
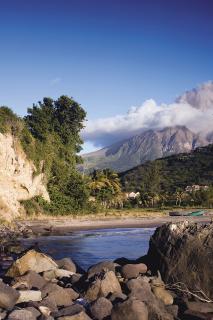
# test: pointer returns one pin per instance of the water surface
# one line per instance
(93, 246)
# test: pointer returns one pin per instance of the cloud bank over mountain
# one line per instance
(194, 109)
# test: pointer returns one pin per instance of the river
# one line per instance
(89, 247)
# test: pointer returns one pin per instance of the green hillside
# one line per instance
(171, 173)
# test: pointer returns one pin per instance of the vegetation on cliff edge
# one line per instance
(49, 135)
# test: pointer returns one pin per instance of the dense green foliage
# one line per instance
(9, 121)
(55, 126)
(49, 135)
(164, 180)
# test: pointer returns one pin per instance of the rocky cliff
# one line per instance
(18, 178)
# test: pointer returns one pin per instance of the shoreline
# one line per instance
(63, 226)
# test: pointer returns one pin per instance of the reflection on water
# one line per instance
(90, 247)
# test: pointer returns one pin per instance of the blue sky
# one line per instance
(108, 55)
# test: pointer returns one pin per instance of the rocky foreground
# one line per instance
(37, 287)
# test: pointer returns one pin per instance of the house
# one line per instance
(195, 188)
(133, 195)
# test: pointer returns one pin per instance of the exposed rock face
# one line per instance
(183, 252)
(18, 179)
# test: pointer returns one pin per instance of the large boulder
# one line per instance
(59, 296)
(30, 280)
(129, 310)
(183, 252)
(101, 308)
(68, 311)
(21, 314)
(103, 285)
(67, 264)
(100, 267)
(8, 296)
(133, 270)
(29, 295)
(31, 260)
(141, 290)
(63, 297)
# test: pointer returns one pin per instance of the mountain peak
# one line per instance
(148, 145)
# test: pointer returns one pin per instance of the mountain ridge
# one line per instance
(149, 145)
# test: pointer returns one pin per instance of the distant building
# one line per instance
(195, 187)
(133, 195)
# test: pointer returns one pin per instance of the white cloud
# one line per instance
(149, 115)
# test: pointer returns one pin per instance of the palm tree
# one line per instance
(179, 195)
(97, 182)
(105, 186)
(113, 180)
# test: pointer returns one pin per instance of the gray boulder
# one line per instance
(63, 297)
(129, 310)
(100, 267)
(29, 295)
(141, 290)
(68, 311)
(130, 271)
(30, 280)
(117, 297)
(8, 296)
(36, 313)
(50, 305)
(21, 314)
(103, 285)
(67, 264)
(101, 308)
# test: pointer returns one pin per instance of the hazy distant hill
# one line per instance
(168, 174)
(149, 145)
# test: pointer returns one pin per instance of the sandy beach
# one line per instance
(62, 225)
